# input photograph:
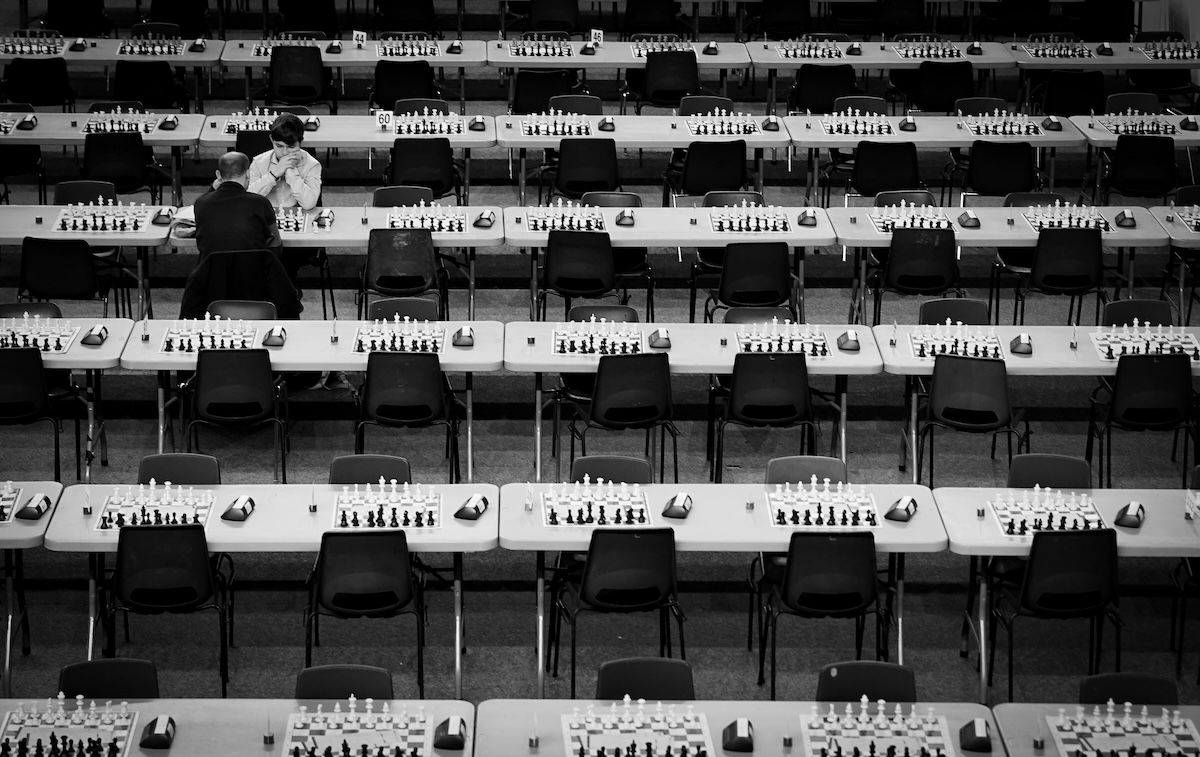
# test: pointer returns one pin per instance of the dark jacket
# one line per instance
(245, 275)
(230, 218)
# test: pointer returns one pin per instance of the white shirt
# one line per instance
(301, 186)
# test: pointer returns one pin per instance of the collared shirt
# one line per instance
(299, 188)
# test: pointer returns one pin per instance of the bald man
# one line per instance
(231, 218)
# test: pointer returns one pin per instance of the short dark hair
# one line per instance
(232, 165)
(288, 128)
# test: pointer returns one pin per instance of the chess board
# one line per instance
(151, 47)
(722, 124)
(615, 732)
(418, 124)
(120, 123)
(190, 335)
(409, 48)
(1043, 510)
(786, 337)
(297, 219)
(264, 48)
(400, 336)
(857, 123)
(10, 501)
(564, 217)
(886, 220)
(642, 48)
(1002, 124)
(100, 731)
(8, 122)
(154, 506)
(432, 217)
(1111, 343)
(597, 338)
(1066, 217)
(1171, 51)
(1190, 218)
(1116, 733)
(834, 735)
(388, 506)
(1139, 124)
(927, 342)
(31, 46)
(315, 733)
(1059, 51)
(257, 119)
(748, 218)
(831, 507)
(928, 51)
(100, 218)
(556, 125)
(809, 50)
(47, 334)
(540, 49)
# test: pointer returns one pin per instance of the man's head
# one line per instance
(286, 134)
(232, 166)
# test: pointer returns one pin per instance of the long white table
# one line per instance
(310, 347)
(714, 525)
(696, 348)
(1164, 533)
(1021, 723)
(17, 535)
(286, 518)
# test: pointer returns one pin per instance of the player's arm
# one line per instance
(305, 183)
(262, 181)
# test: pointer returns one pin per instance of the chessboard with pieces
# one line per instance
(388, 505)
(59, 731)
(1171, 50)
(102, 216)
(396, 335)
(787, 337)
(441, 218)
(427, 122)
(809, 49)
(151, 47)
(407, 48)
(556, 123)
(928, 341)
(1001, 123)
(119, 122)
(748, 218)
(154, 505)
(1058, 50)
(1044, 509)
(1143, 339)
(597, 337)
(1189, 217)
(858, 123)
(1066, 216)
(1123, 733)
(876, 733)
(722, 123)
(540, 48)
(604, 503)
(47, 334)
(264, 47)
(827, 506)
(10, 501)
(213, 333)
(564, 216)
(933, 50)
(905, 216)
(31, 45)
(1139, 123)
(643, 47)
(369, 732)
(629, 730)
(255, 119)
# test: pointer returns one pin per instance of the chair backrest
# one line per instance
(921, 261)
(587, 164)
(617, 313)
(632, 391)
(297, 74)
(1070, 573)
(757, 315)
(1001, 168)
(817, 88)
(769, 389)
(386, 197)
(1146, 312)
(655, 679)
(866, 104)
(670, 76)
(252, 142)
(363, 573)
(699, 105)
(583, 105)
(1152, 391)
(400, 261)
(163, 568)
(910, 196)
(1055, 471)
(1070, 93)
(188, 15)
(850, 681)
(1026, 199)
(969, 393)
(940, 84)
(57, 269)
(829, 574)
(416, 308)
(801, 468)
(712, 166)
(533, 88)
(233, 385)
(979, 106)
(400, 80)
(612, 199)
(1128, 687)
(554, 15)
(956, 309)
(407, 105)
(423, 162)
(22, 385)
(883, 166)
(83, 190)
(1067, 261)
(368, 469)
(248, 310)
(723, 198)
(755, 274)
(119, 157)
(1143, 166)
(38, 81)
(579, 263)
(113, 678)
(187, 468)
(344, 681)
(404, 388)
(152, 82)
(127, 105)
(405, 17)
(629, 570)
(1138, 102)
(1188, 195)
(628, 470)
(19, 309)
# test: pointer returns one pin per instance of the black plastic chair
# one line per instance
(1138, 102)
(21, 160)
(124, 159)
(881, 167)
(246, 310)
(1181, 264)
(652, 17)
(425, 162)
(392, 196)
(960, 157)
(1055, 471)
(919, 262)
(27, 396)
(584, 165)
(628, 470)
(298, 77)
(78, 18)
(63, 269)
(1146, 312)
(955, 309)
(627, 571)
(628, 262)
(826, 576)
(1066, 93)
(633, 392)
(971, 395)
(1006, 19)
(236, 389)
(407, 390)
(1069, 575)
(849, 681)
(1016, 261)
(754, 274)
(692, 105)
(415, 308)
(187, 468)
(670, 76)
(320, 15)
(401, 80)
(532, 89)
(117, 678)
(166, 569)
(816, 88)
(654, 679)
(190, 17)
(401, 263)
(1128, 687)
(1139, 166)
(152, 83)
(940, 84)
(345, 681)
(407, 16)
(779, 19)
(710, 260)
(999, 169)
(364, 469)
(364, 574)
(39, 81)
(1148, 393)
(577, 264)
(1065, 262)
(707, 167)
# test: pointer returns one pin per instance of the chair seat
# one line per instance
(366, 603)
(164, 600)
(1018, 260)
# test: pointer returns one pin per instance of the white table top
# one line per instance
(20, 221)
(281, 521)
(854, 228)
(81, 356)
(355, 131)
(1020, 723)
(67, 129)
(1125, 56)
(308, 347)
(613, 54)
(1164, 533)
(673, 227)
(24, 534)
(1052, 354)
(932, 132)
(102, 51)
(1179, 233)
(645, 131)
(241, 53)
(695, 348)
(876, 55)
(348, 230)
(719, 520)
(1098, 136)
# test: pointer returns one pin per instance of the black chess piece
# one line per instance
(354, 519)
